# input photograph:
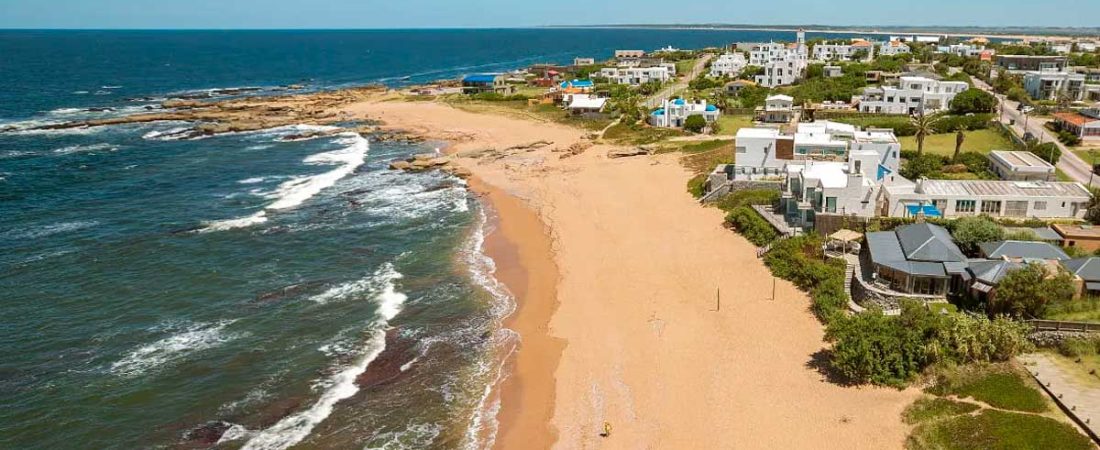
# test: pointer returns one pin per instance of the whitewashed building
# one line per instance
(767, 151)
(783, 64)
(911, 95)
(674, 113)
(844, 51)
(997, 198)
(964, 50)
(728, 65)
(1020, 166)
(892, 48)
(635, 76)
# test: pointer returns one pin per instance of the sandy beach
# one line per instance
(638, 267)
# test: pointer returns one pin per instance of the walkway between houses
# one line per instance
(1083, 402)
(657, 99)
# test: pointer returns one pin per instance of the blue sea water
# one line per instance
(243, 288)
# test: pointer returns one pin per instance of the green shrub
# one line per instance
(1026, 292)
(749, 223)
(973, 101)
(971, 231)
(953, 123)
(927, 165)
(829, 299)
(695, 123)
(1076, 348)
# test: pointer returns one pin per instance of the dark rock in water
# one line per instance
(356, 192)
(387, 366)
(440, 187)
(100, 109)
(186, 230)
(206, 435)
(273, 412)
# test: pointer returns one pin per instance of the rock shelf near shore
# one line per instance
(238, 115)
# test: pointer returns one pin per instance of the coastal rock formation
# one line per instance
(624, 152)
(426, 162)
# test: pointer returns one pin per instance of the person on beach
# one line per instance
(606, 430)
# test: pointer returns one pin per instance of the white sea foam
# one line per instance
(483, 423)
(47, 230)
(80, 92)
(292, 429)
(172, 134)
(66, 111)
(173, 348)
(86, 148)
(414, 436)
(253, 180)
(110, 87)
(296, 191)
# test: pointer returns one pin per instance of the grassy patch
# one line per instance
(1000, 386)
(997, 429)
(703, 157)
(981, 141)
(638, 134)
(684, 67)
(695, 185)
(1084, 310)
(1062, 176)
(930, 408)
(728, 125)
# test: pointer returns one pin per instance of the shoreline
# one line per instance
(522, 253)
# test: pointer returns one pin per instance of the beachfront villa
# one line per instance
(674, 113)
(728, 65)
(636, 76)
(964, 50)
(585, 104)
(1020, 166)
(997, 198)
(911, 95)
(576, 86)
(767, 151)
(916, 259)
(1027, 63)
(487, 83)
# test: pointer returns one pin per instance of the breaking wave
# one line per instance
(292, 429)
(173, 348)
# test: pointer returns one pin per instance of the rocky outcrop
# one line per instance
(575, 149)
(427, 162)
(625, 152)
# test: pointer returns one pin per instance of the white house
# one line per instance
(783, 64)
(1084, 123)
(635, 76)
(1050, 84)
(580, 62)
(844, 52)
(728, 65)
(912, 94)
(586, 104)
(964, 50)
(778, 108)
(997, 198)
(767, 151)
(892, 48)
(674, 113)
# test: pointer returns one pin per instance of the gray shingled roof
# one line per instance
(927, 242)
(1086, 268)
(1022, 249)
(991, 272)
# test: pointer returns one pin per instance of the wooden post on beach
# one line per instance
(719, 308)
(773, 288)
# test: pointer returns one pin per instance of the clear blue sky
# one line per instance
(519, 13)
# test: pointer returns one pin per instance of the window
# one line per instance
(1016, 208)
(859, 165)
(992, 207)
(964, 206)
(830, 204)
(742, 149)
(1040, 206)
(940, 205)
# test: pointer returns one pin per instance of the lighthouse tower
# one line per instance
(802, 41)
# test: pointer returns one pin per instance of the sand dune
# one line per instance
(638, 266)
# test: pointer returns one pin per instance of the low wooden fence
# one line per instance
(1055, 325)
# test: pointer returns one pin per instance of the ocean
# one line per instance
(248, 290)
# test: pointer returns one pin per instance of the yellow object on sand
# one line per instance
(606, 429)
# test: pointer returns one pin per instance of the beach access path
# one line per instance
(647, 346)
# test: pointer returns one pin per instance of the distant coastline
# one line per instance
(994, 32)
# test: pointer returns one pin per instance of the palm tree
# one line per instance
(924, 125)
(960, 137)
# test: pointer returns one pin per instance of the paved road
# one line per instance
(657, 99)
(1073, 166)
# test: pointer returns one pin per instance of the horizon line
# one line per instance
(718, 26)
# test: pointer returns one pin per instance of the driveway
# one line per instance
(657, 99)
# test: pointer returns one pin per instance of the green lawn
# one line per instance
(1000, 430)
(728, 125)
(999, 387)
(1084, 310)
(943, 423)
(684, 67)
(981, 141)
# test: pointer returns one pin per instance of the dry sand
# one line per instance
(638, 266)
